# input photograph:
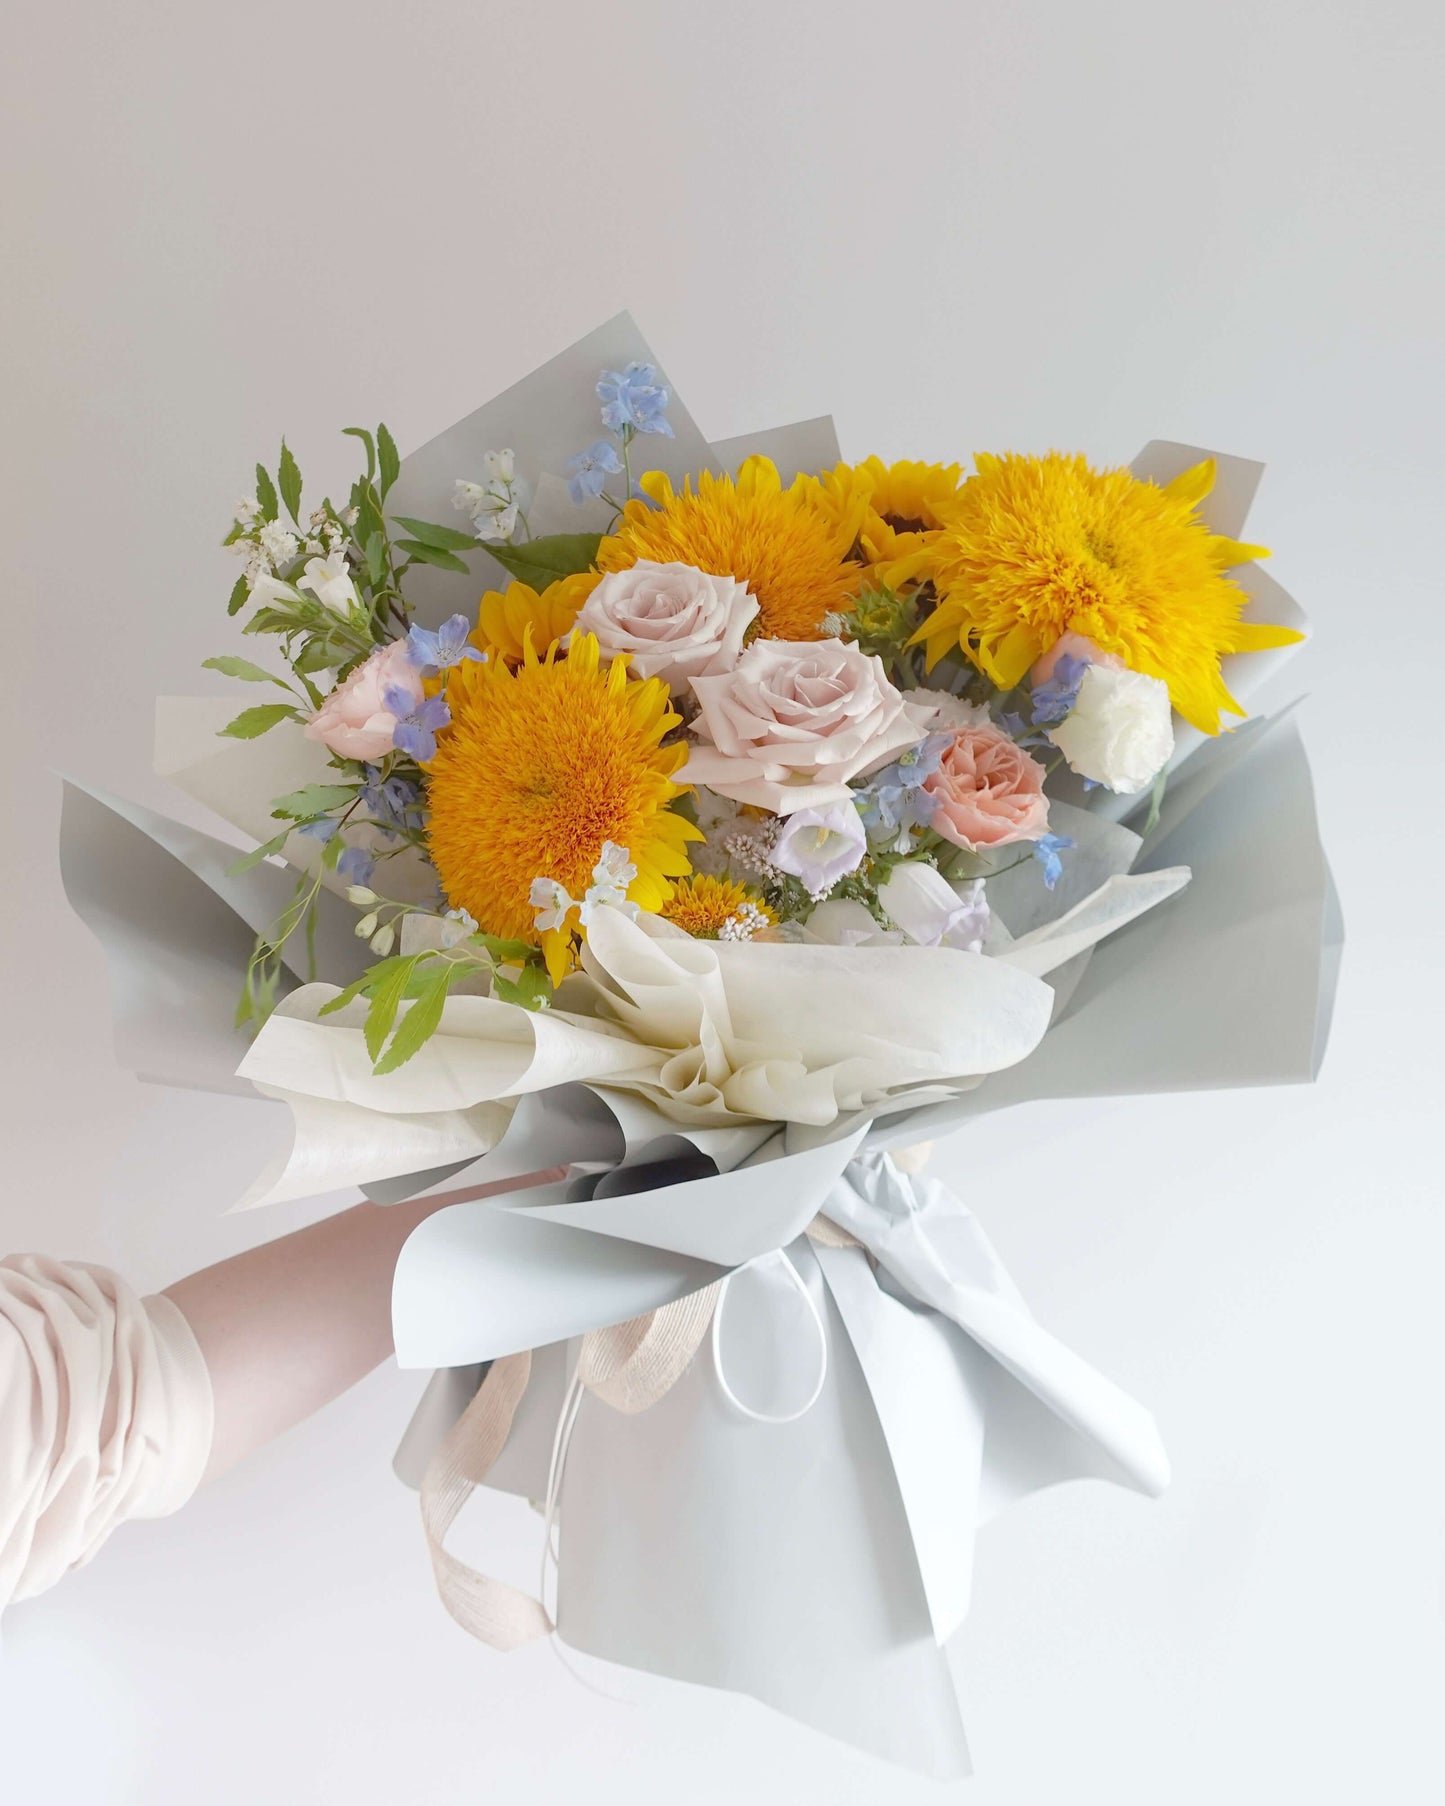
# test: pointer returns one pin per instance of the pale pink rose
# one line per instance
(354, 721)
(793, 721)
(674, 621)
(989, 792)
(1071, 645)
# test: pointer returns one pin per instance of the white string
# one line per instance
(717, 1360)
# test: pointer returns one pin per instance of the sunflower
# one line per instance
(702, 906)
(541, 766)
(791, 552)
(904, 504)
(503, 616)
(1034, 548)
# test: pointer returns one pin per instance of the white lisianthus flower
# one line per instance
(1120, 732)
(674, 621)
(267, 590)
(932, 912)
(329, 580)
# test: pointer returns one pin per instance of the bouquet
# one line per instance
(668, 841)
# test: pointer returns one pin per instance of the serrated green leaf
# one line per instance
(240, 589)
(257, 854)
(388, 461)
(288, 475)
(386, 999)
(539, 562)
(425, 554)
(251, 723)
(230, 666)
(369, 980)
(508, 953)
(317, 655)
(266, 493)
(449, 539)
(313, 799)
(361, 433)
(531, 989)
(421, 1020)
(375, 556)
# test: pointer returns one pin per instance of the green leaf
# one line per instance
(387, 458)
(539, 562)
(316, 656)
(421, 1021)
(507, 953)
(448, 538)
(425, 554)
(366, 984)
(313, 799)
(231, 666)
(240, 589)
(266, 493)
(376, 556)
(385, 1002)
(289, 476)
(257, 854)
(251, 723)
(532, 989)
(361, 433)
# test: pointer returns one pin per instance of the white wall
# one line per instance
(954, 226)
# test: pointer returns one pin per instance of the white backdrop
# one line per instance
(956, 226)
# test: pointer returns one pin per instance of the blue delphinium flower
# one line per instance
(416, 727)
(588, 472)
(1053, 700)
(355, 865)
(391, 802)
(634, 398)
(321, 829)
(441, 650)
(894, 801)
(1046, 850)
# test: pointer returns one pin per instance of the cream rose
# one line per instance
(1120, 732)
(354, 721)
(675, 621)
(793, 721)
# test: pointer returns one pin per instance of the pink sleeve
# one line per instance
(105, 1414)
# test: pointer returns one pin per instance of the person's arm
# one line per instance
(288, 1326)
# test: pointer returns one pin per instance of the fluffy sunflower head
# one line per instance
(1033, 548)
(903, 504)
(791, 552)
(541, 766)
(504, 616)
(703, 906)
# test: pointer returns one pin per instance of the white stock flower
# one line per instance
(551, 902)
(498, 525)
(500, 467)
(1120, 732)
(794, 721)
(611, 875)
(329, 580)
(674, 621)
(246, 510)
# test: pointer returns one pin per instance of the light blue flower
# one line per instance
(416, 727)
(589, 470)
(391, 802)
(321, 829)
(894, 801)
(441, 650)
(1053, 700)
(634, 398)
(1046, 850)
(355, 865)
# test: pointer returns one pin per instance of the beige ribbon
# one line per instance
(629, 1366)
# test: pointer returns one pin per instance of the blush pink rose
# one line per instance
(988, 791)
(354, 721)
